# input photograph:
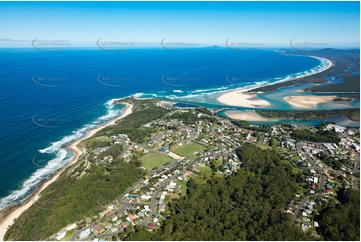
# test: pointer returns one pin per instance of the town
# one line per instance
(205, 145)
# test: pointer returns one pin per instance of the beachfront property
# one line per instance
(201, 148)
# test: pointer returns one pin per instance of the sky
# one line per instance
(330, 24)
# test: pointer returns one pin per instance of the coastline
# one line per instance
(241, 97)
(16, 211)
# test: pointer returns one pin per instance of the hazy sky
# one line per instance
(269, 23)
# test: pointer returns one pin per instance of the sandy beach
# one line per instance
(17, 211)
(240, 98)
(244, 98)
(307, 101)
(245, 115)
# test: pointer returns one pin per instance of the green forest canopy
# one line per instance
(246, 206)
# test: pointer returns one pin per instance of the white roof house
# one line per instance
(60, 235)
(71, 227)
(84, 233)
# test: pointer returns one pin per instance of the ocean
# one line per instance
(50, 98)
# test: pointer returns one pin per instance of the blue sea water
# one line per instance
(50, 98)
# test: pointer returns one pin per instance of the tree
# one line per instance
(342, 222)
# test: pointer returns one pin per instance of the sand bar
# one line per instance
(245, 115)
(17, 211)
(240, 98)
(307, 101)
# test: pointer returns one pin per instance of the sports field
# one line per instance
(153, 160)
(189, 149)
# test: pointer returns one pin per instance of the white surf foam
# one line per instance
(35, 179)
(62, 157)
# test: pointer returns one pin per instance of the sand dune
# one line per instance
(307, 101)
(240, 98)
(245, 115)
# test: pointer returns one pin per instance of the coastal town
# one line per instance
(204, 145)
(180, 120)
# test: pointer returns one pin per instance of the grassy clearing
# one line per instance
(296, 170)
(264, 146)
(206, 171)
(183, 188)
(154, 160)
(188, 150)
(92, 143)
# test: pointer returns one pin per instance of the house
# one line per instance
(71, 227)
(124, 225)
(60, 235)
(113, 229)
(98, 229)
(85, 233)
(151, 226)
(145, 197)
(172, 185)
(329, 191)
(313, 186)
(187, 173)
(132, 217)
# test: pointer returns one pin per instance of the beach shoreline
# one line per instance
(14, 212)
(242, 97)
